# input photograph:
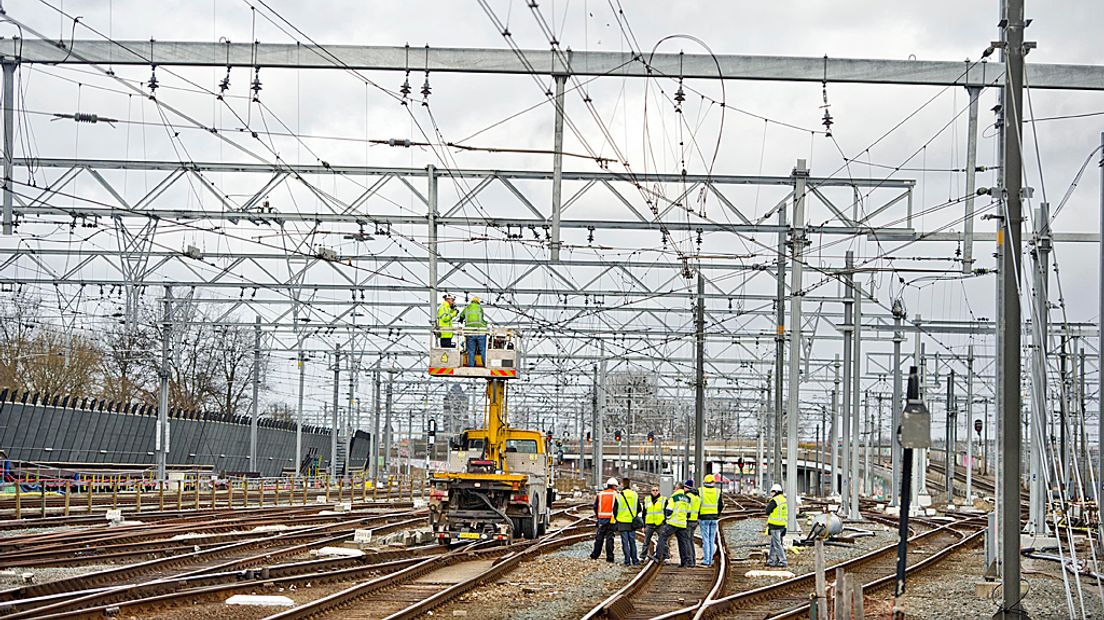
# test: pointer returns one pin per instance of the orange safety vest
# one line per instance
(606, 500)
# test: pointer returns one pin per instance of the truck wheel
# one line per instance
(531, 524)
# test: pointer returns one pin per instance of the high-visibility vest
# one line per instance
(780, 514)
(473, 316)
(626, 506)
(606, 499)
(653, 509)
(445, 312)
(680, 510)
(695, 506)
(710, 500)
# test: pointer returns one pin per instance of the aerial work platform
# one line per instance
(501, 361)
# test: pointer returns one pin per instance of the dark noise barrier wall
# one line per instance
(50, 428)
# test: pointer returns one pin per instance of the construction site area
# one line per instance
(551, 310)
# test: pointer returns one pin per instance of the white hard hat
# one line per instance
(776, 488)
(612, 482)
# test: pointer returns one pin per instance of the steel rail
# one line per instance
(621, 604)
(889, 579)
(340, 599)
(81, 582)
(804, 581)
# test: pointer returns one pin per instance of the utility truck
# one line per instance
(497, 482)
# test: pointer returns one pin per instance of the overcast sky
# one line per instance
(639, 116)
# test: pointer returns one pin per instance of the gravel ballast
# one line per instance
(563, 584)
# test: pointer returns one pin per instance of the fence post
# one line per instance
(68, 490)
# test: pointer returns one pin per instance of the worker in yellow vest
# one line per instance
(692, 517)
(707, 518)
(777, 516)
(626, 513)
(654, 503)
(676, 513)
(446, 312)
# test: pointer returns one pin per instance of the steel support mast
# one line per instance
(161, 441)
(1011, 269)
(797, 245)
(699, 385)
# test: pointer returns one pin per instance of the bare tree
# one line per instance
(129, 364)
(233, 352)
(282, 412)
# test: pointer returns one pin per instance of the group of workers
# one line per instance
(619, 509)
(473, 319)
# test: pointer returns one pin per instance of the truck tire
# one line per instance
(530, 526)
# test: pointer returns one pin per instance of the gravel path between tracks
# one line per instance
(31, 531)
(562, 584)
(947, 591)
(747, 535)
(10, 577)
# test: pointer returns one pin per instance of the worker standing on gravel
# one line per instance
(692, 518)
(653, 517)
(707, 517)
(676, 512)
(628, 509)
(603, 513)
(777, 514)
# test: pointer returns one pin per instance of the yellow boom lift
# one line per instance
(497, 482)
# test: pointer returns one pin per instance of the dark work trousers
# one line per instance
(691, 530)
(686, 548)
(604, 535)
(649, 530)
(446, 343)
(666, 531)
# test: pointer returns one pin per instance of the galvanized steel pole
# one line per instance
(895, 410)
(797, 245)
(255, 405)
(161, 441)
(333, 414)
(699, 384)
(299, 412)
(848, 502)
(856, 386)
(969, 415)
(557, 165)
(9, 142)
(834, 439)
(1011, 268)
(971, 180)
(374, 465)
(779, 350)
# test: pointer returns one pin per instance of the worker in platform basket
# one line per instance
(692, 518)
(473, 319)
(708, 514)
(676, 513)
(603, 512)
(446, 312)
(654, 503)
(628, 521)
(777, 516)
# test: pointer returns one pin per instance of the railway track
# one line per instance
(790, 598)
(167, 537)
(429, 583)
(223, 558)
(212, 583)
(668, 591)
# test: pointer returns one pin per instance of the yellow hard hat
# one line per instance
(709, 477)
(476, 298)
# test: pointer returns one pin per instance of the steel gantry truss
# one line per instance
(338, 260)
